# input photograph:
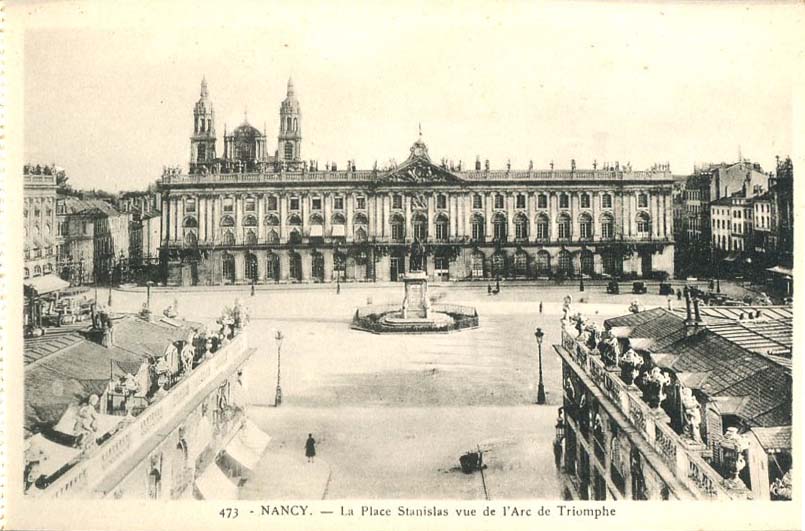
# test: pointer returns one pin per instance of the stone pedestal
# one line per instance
(416, 303)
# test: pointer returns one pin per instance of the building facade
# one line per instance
(252, 218)
(654, 407)
(151, 407)
(39, 221)
(95, 240)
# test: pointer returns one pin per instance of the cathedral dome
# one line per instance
(246, 130)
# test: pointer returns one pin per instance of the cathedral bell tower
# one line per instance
(202, 143)
(289, 143)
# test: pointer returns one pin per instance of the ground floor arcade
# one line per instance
(389, 263)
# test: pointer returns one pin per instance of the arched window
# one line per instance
(251, 267)
(295, 266)
(295, 124)
(607, 227)
(250, 221)
(499, 223)
(295, 220)
(643, 224)
(37, 271)
(288, 123)
(477, 264)
(477, 227)
(521, 227)
(360, 219)
(521, 263)
(397, 228)
(227, 221)
(190, 222)
(272, 220)
(295, 236)
(273, 236)
(543, 227)
(499, 264)
(442, 230)
(48, 268)
(251, 237)
(27, 273)
(360, 235)
(587, 262)
(565, 264)
(585, 226)
(543, 263)
(564, 227)
(339, 219)
(229, 238)
(288, 150)
(190, 238)
(273, 267)
(420, 227)
(202, 153)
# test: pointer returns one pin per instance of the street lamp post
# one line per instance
(109, 300)
(278, 396)
(539, 334)
(148, 294)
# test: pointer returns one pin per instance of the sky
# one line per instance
(109, 88)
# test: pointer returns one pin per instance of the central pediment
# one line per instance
(419, 170)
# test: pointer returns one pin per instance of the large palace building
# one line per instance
(252, 217)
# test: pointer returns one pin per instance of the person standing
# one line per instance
(310, 448)
(540, 307)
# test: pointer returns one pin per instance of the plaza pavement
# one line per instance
(393, 413)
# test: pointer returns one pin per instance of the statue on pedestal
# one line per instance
(416, 258)
(654, 383)
(693, 415)
(630, 364)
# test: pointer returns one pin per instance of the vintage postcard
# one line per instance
(443, 265)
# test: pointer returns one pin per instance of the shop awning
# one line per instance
(213, 484)
(338, 230)
(46, 284)
(254, 438)
(316, 231)
(241, 453)
(780, 270)
(51, 456)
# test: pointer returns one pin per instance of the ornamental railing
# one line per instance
(99, 461)
(679, 454)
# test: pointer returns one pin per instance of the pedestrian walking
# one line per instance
(252, 290)
(540, 307)
(489, 289)
(338, 287)
(679, 295)
(310, 448)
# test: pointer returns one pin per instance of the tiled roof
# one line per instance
(775, 438)
(664, 328)
(39, 347)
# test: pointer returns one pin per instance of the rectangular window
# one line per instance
(642, 201)
(361, 203)
(229, 204)
(606, 201)
(441, 201)
(396, 201)
(250, 204)
(272, 202)
(397, 231)
(520, 201)
(477, 201)
(294, 203)
(338, 203)
(564, 201)
(499, 201)
(190, 205)
(542, 201)
(316, 203)
(585, 200)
